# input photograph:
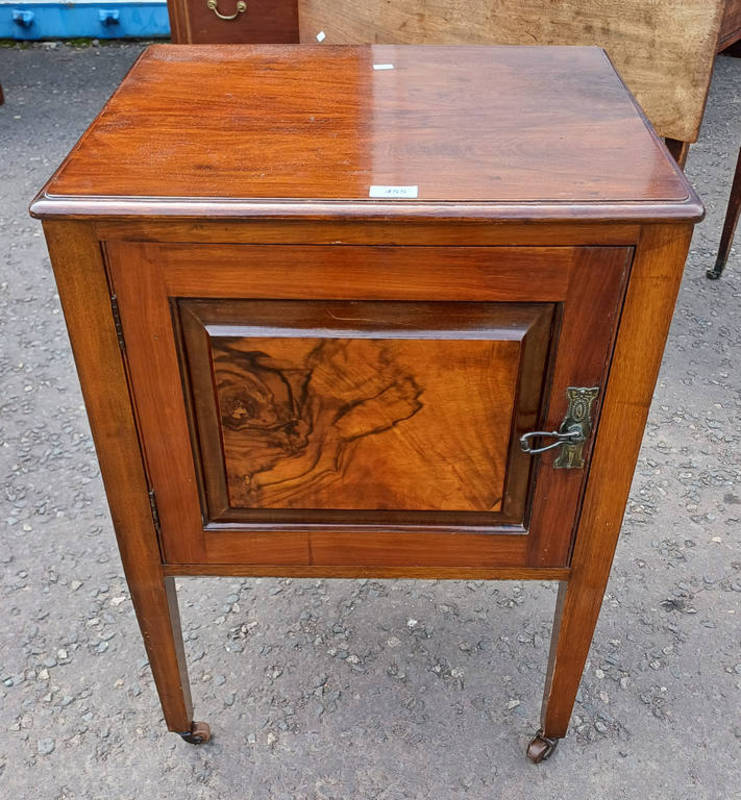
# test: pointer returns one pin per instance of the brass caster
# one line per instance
(198, 734)
(541, 747)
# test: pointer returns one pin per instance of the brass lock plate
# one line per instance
(578, 415)
(572, 433)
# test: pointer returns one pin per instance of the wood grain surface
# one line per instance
(199, 130)
(379, 373)
(730, 28)
(556, 239)
(370, 424)
(651, 295)
(663, 49)
(398, 406)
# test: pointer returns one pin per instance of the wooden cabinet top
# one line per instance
(330, 131)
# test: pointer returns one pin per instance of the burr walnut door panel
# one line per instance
(365, 412)
(362, 406)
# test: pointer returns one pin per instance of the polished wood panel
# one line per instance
(408, 407)
(591, 312)
(341, 127)
(471, 573)
(365, 424)
(560, 236)
(368, 273)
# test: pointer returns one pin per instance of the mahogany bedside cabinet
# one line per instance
(368, 311)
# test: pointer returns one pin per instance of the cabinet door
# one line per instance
(362, 407)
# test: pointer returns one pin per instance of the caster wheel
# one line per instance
(714, 273)
(541, 748)
(198, 734)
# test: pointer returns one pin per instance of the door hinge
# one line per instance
(117, 322)
(155, 510)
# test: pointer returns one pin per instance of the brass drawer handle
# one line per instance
(214, 6)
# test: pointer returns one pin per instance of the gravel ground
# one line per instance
(358, 689)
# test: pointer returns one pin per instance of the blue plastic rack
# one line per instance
(122, 19)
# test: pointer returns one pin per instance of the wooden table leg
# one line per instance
(85, 296)
(159, 621)
(729, 225)
(570, 642)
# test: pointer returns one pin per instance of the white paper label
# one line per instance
(399, 192)
(383, 66)
(321, 36)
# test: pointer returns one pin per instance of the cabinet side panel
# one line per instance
(84, 294)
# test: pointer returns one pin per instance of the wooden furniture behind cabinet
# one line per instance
(729, 224)
(233, 21)
(324, 328)
(730, 26)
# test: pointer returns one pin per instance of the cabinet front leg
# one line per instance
(83, 288)
(656, 274)
(156, 607)
(160, 627)
(577, 610)
(159, 620)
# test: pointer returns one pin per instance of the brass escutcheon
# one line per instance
(214, 6)
(573, 432)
